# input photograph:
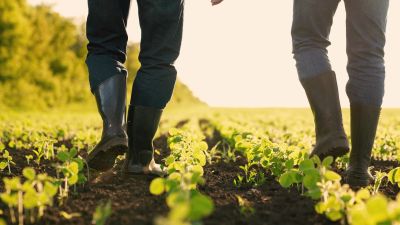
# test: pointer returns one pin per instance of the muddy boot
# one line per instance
(111, 103)
(364, 122)
(142, 126)
(323, 96)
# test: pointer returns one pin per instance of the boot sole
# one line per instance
(107, 154)
(334, 152)
(335, 149)
(357, 183)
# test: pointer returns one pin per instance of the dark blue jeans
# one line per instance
(161, 24)
(365, 26)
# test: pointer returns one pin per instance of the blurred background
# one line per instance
(237, 54)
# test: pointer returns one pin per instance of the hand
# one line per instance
(216, 2)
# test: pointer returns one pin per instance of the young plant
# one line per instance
(5, 159)
(102, 213)
(185, 171)
(72, 169)
(375, 210)
(28, 158)
(28, 199)
(394, 176)
(245, 206)
(379, 177)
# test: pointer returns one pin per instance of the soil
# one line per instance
(133, 204)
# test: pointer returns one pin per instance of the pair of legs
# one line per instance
(365, 26)
(161, 24)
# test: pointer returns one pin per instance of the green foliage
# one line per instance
(39, 68)
(72, 168)
(42, 60)
(286, 157)
(5, 159)
(30, 197)
(185, 171)
(102, 213)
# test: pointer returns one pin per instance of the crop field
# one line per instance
(225, 166)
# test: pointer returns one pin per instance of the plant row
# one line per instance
(184, 168)
(286, 157)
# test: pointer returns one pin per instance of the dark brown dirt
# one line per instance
(133, 204)
(272, 204)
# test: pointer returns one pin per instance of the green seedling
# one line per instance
(71, 168)
(394, 176)
(245, 206)
(102, 213)
(379, 177)
(185, 172)
(28, 158)
(5, 159)
(28, 199)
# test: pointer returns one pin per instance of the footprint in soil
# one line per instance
(131, 201)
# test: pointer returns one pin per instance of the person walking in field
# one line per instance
(366, 25)
(161, 23)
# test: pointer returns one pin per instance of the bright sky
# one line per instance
(239, 53)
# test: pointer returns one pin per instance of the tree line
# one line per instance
(42, 59)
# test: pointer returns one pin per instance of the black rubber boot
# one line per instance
(323, 96)
(364, 122)
(111, 103)
(142, 127)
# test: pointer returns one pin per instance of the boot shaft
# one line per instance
(111, 103)
(364, 123)
(142, 126)
(323, 96)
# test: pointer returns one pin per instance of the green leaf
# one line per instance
(73, 179)
(6, 154)
(50, 189)
(81, 178)
(13, 183)
(11, 199)
(334, 215)
(63, 156)
(30, 200)
(3, 165)
(198, 169)
(327, 161)
(397, 177)
(72, 153)
(286, 179)
(80, 163)
(169, 160)
(179, 212)
(157, 186)
(29, 173)
(203, 146)
(314, 193)
(201, 157)
(310, 181)
(73, 167)
(200, 206)
(363, 194)
(320, 207)
(377, 208)
(330, 175)
(346, 197)
(289, 164)
(306, 164)
(392, 175)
